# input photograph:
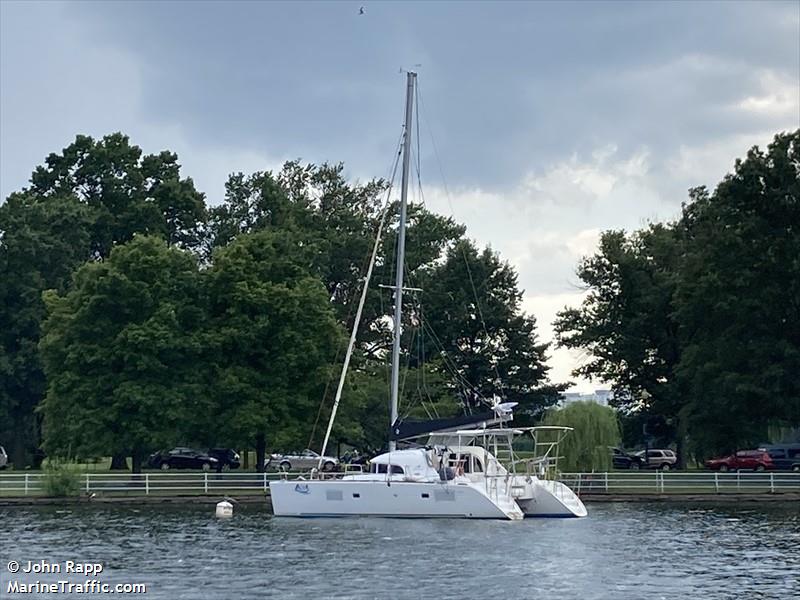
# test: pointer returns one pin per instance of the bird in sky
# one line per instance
(361, 11)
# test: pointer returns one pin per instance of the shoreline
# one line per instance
(255, 499)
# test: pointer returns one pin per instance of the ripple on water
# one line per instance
(620, 552)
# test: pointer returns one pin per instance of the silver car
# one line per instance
(658, 459)
(3, 458)
(307, 459)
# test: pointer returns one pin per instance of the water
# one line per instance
(621, 551)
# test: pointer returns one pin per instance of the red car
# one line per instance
(755, 460)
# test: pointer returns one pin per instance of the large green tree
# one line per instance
(695, 323)
(121, 353)
(127, 191)
(271, 338)
(626, 322)
(80, 204)
(473, 326)
(738, 301)
(41, 242)
(336, 221)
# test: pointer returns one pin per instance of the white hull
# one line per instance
(545, 498)
(349, 498)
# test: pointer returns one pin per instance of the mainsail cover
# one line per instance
(405, 429)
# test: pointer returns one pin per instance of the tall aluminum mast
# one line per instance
(401, 250)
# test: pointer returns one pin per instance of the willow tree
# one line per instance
(595, 430)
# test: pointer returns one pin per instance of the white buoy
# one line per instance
(224, 509)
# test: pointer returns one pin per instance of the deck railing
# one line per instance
(210, 483)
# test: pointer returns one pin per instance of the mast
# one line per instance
(411, 79)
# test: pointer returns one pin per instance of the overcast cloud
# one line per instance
(553, 122)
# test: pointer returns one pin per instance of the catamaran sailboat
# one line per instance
(464, 467)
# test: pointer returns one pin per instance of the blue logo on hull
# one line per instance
(301, 488)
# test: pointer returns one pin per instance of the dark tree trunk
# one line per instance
(136, 460)
(18, 454)
(119, 462)
(23, 441)
(38, 454)
(261, 452)
(680, 446)
(246, 457)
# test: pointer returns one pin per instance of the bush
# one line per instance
(60, 480)
(587, 447)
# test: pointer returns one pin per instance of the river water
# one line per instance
(621, 551)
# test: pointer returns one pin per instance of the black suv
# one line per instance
(182, 458)
(784, 456)
(228, 458)
(623, 460)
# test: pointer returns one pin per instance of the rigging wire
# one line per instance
(421, 105)
(382, 213)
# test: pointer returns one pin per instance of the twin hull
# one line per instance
(341, 498)
(336, 498)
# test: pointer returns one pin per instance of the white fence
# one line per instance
(171, 483)
(174, 483)
(671, 482)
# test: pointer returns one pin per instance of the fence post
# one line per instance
(738, 481)
(579, 483)
(87, 482)
(147, 484)
(716, 482)
(661, 479)
(205, 483)
(605, 481)
(265, 481)
(26, 483)
(772, 483)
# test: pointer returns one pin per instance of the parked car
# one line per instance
(3, 458)
(307, 459)
(182, 458)
(226, 457)
(756, 460)
(658, 459)
(785, 457)
(622, 460)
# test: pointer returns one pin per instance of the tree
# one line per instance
(336, 222)
(40, 243)
(695, 323)
(82, 202)
(738, 301)
(595, 431)
(626, 321)
(120, 351)
(486, 346)
(127, 192)
(270, 342)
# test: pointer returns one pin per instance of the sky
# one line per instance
(542, 124)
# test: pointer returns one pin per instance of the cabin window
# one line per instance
(426, 495)
(477, 466)
(381, 468)
(356, 495)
